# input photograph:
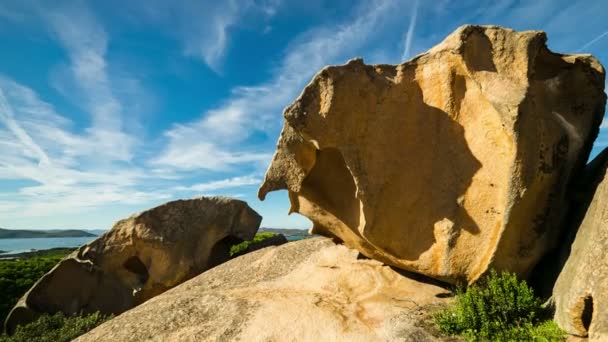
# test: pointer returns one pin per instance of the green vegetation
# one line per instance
(243, 245)
(286, 232)
(55, 328)
(499, 308)
(27, 234)
(17, 276)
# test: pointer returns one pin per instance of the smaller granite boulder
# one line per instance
(581, 291)
(139, 258)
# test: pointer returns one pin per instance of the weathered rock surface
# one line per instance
(307, 290)
(450, 163)
(140, 257)
(581, 291)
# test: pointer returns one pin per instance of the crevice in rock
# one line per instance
(478, 53)
(580, 193)
(221, 251)
(136, 266)
(587, 314)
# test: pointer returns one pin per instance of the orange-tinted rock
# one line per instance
(581, 291)
(139, 258)
(448, 164)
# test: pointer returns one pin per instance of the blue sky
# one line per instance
(111, 107)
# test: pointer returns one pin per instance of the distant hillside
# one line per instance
(27, 234)
(286, 232)
(97, 231)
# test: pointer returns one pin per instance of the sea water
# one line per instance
(27, 245)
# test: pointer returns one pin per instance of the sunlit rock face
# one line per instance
(140, 257)
(581, 291)
(450, 163)
(307, 290)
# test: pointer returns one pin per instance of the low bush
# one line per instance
(498, 308)
(55, 328)
(243, 245)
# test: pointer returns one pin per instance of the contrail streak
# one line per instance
(593, 41)
(410, 32)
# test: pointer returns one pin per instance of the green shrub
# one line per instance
(499, 308)
(55, 328)
(17, 276)
(243, 245)
(547, 331)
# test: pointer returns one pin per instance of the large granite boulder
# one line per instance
(448, 164)
(307, 290)
(140, 257)
(580, 293)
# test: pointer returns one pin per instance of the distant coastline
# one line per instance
(285, 231)
(32, 234)
(65, 233)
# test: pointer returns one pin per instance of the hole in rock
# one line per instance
(361, 257)
(445, 295)
(587, 312)
(221, 250)
(478, 53)
(136, 266)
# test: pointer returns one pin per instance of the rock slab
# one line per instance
(139, 258)
(581, 292)
(449, 164)
(307, 290)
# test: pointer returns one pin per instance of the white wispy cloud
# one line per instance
(86, 41)
(64, 168)
(203, 27)
(75, 200)
(207, 156)
(558, 19)
(68, 171)
(7, 117)
(215, 140)
(211, 43)
(36, 145)
(234, 182)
